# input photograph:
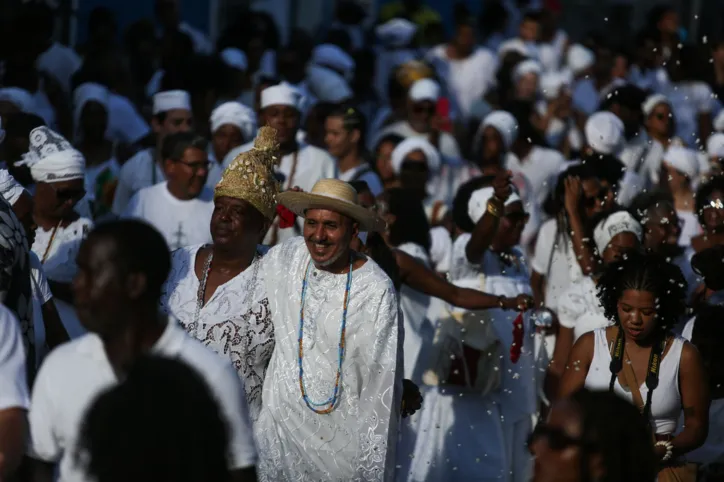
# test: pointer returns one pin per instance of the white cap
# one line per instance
(652, 101)
(235, 58)
(579, 58)
(237, 115)
(617, 223)
(171, 100)
(719, 121)
(280, 95)
(683, 160)
(412, 144)
(333, 57)
(551, 84)
(396, 33)
(327, 85)
(526, 67)
(604, 133)
(424, 89)
(478, 203)
(503, 122)
(715, 145)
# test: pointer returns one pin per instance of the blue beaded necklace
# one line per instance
(330, 403)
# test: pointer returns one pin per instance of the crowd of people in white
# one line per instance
(388, 256)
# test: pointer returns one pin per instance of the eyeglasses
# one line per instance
(557, 439)
(196, 166)
(64, 195)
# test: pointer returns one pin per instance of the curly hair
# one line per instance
(140, 429)
(616, 430)
(644, 272)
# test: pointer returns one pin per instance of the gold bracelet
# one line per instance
(493, 209)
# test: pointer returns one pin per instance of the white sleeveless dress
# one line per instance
(666, 399)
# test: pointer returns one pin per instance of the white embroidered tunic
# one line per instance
(356, 441)
(235, 322)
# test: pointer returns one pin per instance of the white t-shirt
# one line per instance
(75, 373)
(14, 393)
(579, 309)
(125, 124)
(467, 79)
(182, 223)
(364, 173)
(138, 172)
(541, 168)
(689, 100)
(555, 259)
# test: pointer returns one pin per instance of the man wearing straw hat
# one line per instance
(332, 389)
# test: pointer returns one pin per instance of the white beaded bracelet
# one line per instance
(669, 449)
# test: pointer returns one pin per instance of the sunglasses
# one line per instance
(590, 202)
(64, 195)
(556, 438)
(414, 166)
(423, 109)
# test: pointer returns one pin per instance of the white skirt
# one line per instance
(459, 437)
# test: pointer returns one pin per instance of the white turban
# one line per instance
(397, 33)
(719, 121)
(412, 144)
(715, 145)
(280, 95)
(616, 223)
(424, 89)
(478, 203)
(236, 114)
(235, 58)
(503, 122)
(9, 187)
(579, 58)
(20, 98)
(526, 67)
(652, 101)
(171, 100)
(87, 92)
(51, 158)
(551, 84)
(683, 160)
(604, 133)
(327, 85)
(333, 57)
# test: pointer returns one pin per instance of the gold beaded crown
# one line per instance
(250, 176)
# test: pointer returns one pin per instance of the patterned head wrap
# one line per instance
(250, 176)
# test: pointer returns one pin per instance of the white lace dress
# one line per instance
(356, 441)
(235, 322)
(59, 263)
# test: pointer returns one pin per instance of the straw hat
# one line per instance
(334, 195)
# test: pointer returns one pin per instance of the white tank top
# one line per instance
(666, 400)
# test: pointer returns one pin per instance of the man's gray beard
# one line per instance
(334, 258)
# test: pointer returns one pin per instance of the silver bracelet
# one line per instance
(669, 449)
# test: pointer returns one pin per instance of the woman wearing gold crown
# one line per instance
(216, 290)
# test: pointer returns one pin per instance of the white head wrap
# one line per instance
(513, 45)
(683, 160)
(604, 132)
(397, 33)
(171, 100)
(478, 203)
(412, 144)
(652, 101)
(503, 122)
(551, 84)
(87, 92)
(236, 114)
(51, 158)
(280, 95)
(424, 89)
(235, 58)
(10, 189)
(719, 121)
(333, 57)
(526, 67)
(579, 58)
(617, 223)
(20, 98)
(327, 85)
(715, 145)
